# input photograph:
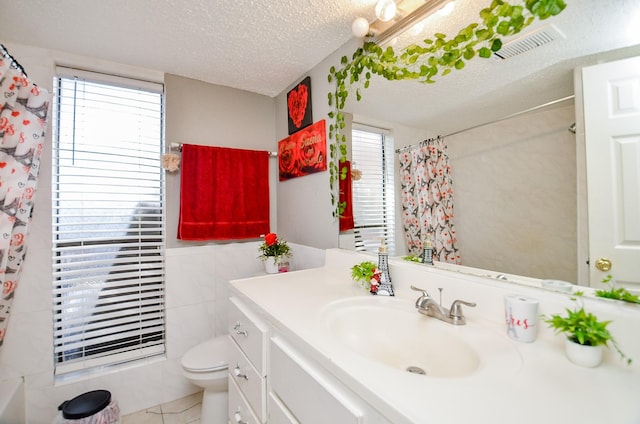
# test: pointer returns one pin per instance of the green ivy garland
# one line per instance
(422, 62)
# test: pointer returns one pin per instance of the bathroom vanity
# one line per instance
(312, 347)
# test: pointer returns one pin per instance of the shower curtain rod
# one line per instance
(513, 115)
(14, 63)
(177, 147)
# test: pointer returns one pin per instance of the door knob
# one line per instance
(603, 264)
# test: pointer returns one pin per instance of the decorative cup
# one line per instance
(521, 317)
(283, 266)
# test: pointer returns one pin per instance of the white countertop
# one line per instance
(544, 388)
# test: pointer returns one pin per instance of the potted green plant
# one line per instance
(412, 258)
(272, 251)
(367, 275)
(585, 334)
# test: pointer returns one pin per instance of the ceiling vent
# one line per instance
(528, 42)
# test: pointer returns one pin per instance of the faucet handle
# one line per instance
(422, 301)
(456, 310)
(424, 292)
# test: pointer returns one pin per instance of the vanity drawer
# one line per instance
(278, 413)
(250, 333)
(239, 409)
(252, 385)
(310, 395)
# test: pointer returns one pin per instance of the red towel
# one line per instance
(224, 193)
(346, 219)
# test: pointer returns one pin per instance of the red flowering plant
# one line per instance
(274, 247)
(367, 275)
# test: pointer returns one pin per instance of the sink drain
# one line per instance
(416, 370)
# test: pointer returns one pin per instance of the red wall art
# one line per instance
(304, 152)
(299, 106)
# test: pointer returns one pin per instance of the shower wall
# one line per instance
(515, 195)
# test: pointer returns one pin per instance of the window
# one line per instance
(108, 220)
(373, 193)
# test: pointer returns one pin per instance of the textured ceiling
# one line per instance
(265, 46)
(259, 46)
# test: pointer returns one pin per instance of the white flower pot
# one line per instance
(583, 355)
(271, 265)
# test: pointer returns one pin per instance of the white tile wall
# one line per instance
(196, 296)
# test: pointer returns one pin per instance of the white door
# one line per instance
(612, 132)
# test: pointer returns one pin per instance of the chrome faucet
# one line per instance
(427, 306)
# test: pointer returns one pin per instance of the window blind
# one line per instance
(108, 220)
(373, 193)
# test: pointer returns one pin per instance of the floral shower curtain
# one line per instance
(23, 115)
(427, 200)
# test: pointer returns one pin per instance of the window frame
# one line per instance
(386, 208)
(146, 223)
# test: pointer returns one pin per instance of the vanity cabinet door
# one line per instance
(252, 385)
(278, 413)
(310, 396)
(239, 410)
(250, 333)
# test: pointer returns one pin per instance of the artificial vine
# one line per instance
(436, 56)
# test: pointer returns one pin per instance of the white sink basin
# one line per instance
(391, 332)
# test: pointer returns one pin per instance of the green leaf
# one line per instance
(484, 52)
(469, 53)
(503, 28)
(434, 56)
(516, 12)
(483, 34)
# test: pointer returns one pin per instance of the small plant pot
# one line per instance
(583, 355)
(271, 265)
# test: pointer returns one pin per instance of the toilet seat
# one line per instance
(207, 357)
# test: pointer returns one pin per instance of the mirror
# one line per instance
(533, 226)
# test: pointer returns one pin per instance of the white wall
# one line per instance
(304, 203)
(212, 115)
(196, 274)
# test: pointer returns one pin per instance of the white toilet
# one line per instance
(205, 365)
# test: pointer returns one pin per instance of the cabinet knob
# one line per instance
(238, 331)
(238, 373)
(238, 417)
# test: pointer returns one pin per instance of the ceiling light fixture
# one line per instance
(447, 9)
(386, 10)
(388, 28)
(360, 27)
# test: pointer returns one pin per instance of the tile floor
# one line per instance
(181, 411)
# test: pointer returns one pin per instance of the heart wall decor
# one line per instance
(299, 106)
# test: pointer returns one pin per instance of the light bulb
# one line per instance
(447, 9)
(360, 27)
(386, 10)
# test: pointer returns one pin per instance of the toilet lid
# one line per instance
(208, 356)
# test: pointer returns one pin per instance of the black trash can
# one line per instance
(95, 407)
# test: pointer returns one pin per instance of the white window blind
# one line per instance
(373, 194)
(108, 220)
